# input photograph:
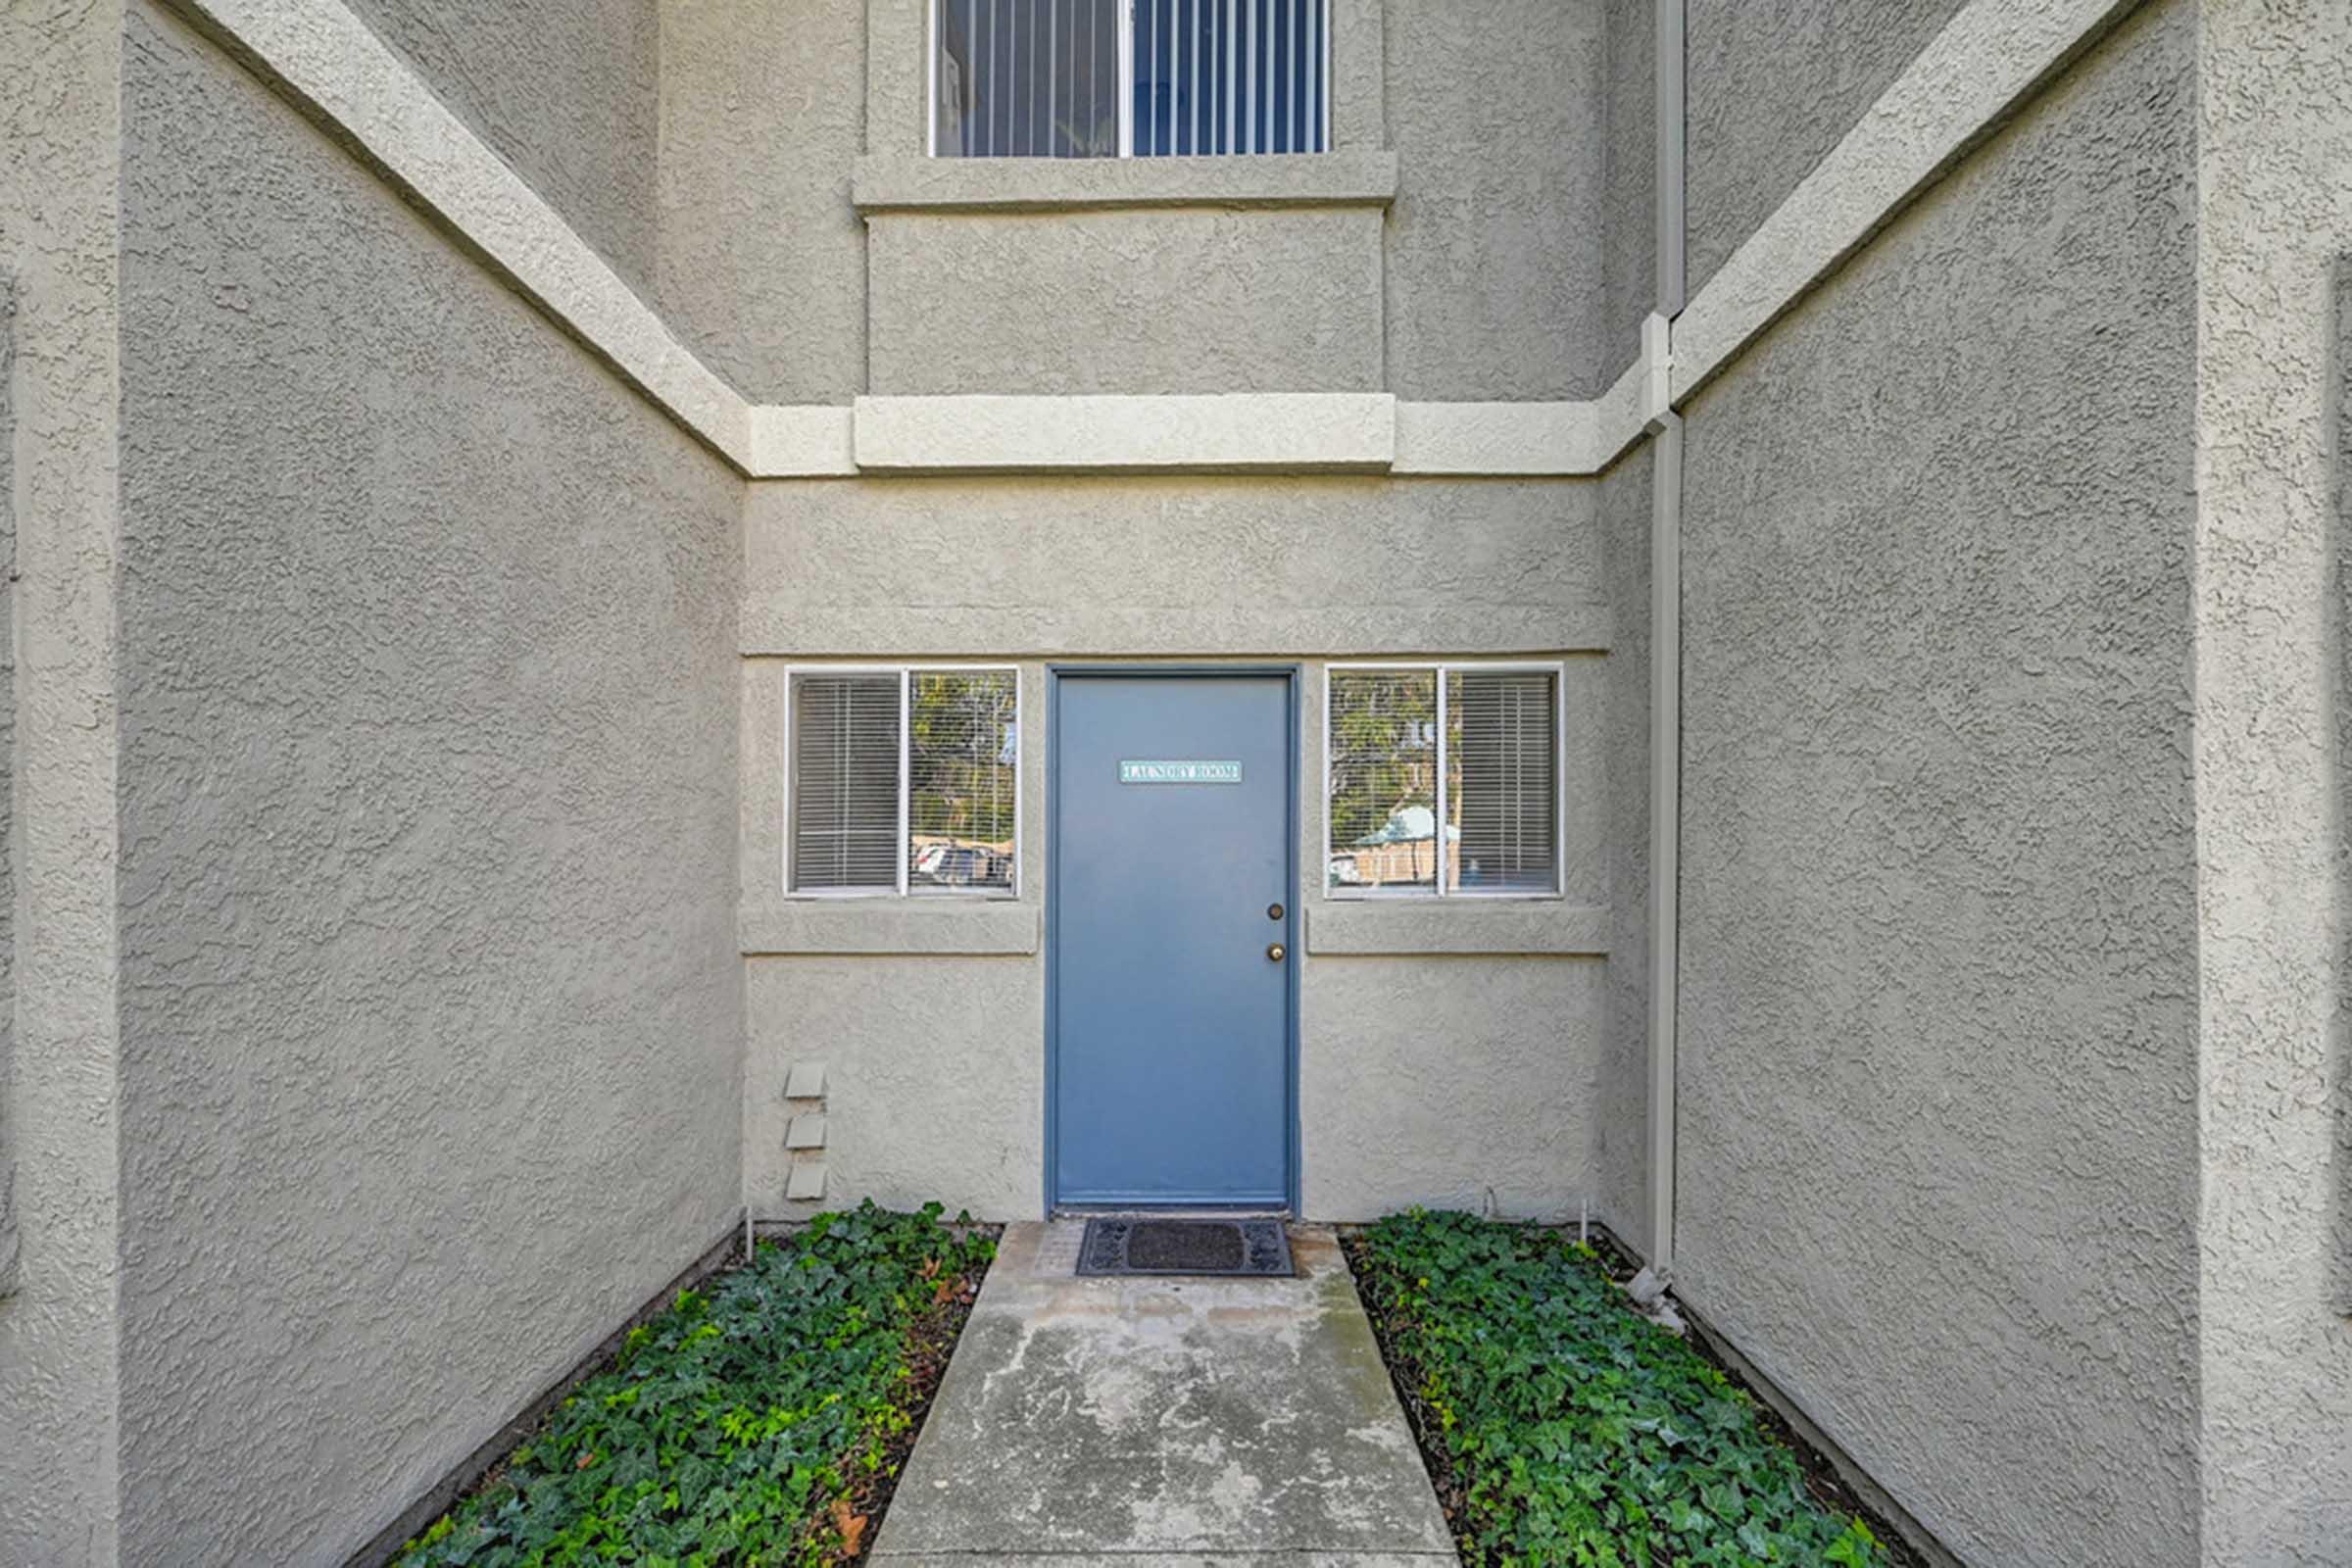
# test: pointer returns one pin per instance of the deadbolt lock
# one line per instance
(1276, 951)
(1273, 912)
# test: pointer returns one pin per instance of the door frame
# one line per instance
(1295, 927)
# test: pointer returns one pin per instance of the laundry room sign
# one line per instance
(1195, 772)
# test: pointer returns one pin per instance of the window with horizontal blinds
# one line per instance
(845, 782)
(963, 780)
(1383, 760)
(1502, 780)
(1106, 78)
(1444, 779)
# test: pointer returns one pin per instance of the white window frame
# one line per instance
(1126, 83)
(1440, 668)
(906, 674)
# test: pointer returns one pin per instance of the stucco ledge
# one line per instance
(1497, 928)
(888, 926)
(895, 183)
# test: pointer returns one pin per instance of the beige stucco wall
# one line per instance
(1938, 1031)
(1416, 1023)
(1485, 279)
(1187, 300)
(60, 201)
(429, 1003)
(566, 90)
(2274, 401)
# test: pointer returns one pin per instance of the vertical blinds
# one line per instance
(1041, 78)
(1501, 778)
(1027, 78)
(845, 782)
(1216, 77)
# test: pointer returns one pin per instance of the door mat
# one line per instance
(1251, 1248)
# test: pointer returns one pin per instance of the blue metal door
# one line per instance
(1172, 910)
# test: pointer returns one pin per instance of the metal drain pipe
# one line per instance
(1665, 642)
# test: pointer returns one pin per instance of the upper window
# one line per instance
(1129, 78)
(903, 781)
(1444, 779)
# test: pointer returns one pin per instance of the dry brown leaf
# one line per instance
(852, 1525)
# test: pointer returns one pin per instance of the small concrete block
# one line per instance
(806, 1132)
(808, 1081)
(808, 1182)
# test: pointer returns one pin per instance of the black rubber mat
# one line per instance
(1201, 1247)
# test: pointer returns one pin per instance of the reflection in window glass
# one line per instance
(1501, 809)
(962, 761)
(1384, 778)
(1027, 78)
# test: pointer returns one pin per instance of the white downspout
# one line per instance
(1665, 644)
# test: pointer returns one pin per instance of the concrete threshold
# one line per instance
(1140, 1422)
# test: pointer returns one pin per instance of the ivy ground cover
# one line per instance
(759, 1421)
(1564, 1427)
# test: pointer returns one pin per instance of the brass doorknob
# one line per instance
(1276, 951)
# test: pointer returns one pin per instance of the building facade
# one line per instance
(629, 619)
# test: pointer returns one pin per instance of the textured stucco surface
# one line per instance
(1771, 89)
(763, 259)
(1620, 1120)
(8, 1246)
(429, 996)
(935, 1063)
(1937, 1073)
(1455, 1081)
(1337, 565)
(1181, 300)
(1629, 183)
(59, 205)
(935, 1074)
(2273, 406)
(563, 90)
(1494, 257)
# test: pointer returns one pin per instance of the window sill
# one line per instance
(888, 924)
(884, 184)
(1500, 927)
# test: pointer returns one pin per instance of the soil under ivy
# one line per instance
(761, 1420)
(1562, 1427)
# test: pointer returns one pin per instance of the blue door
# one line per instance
(1172, 910)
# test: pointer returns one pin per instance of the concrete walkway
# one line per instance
(1140, 1422)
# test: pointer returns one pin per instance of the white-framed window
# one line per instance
(1443, 780)
(1129, 78)
(903, 779)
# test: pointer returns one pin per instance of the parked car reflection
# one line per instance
(963, 866)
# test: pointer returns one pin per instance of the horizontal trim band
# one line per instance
(1246, 432)
(1991, 58)
(886, 926)
(1407, 927)
(327, 63)
(772, 629)
(1313, 433)
(886, 183)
